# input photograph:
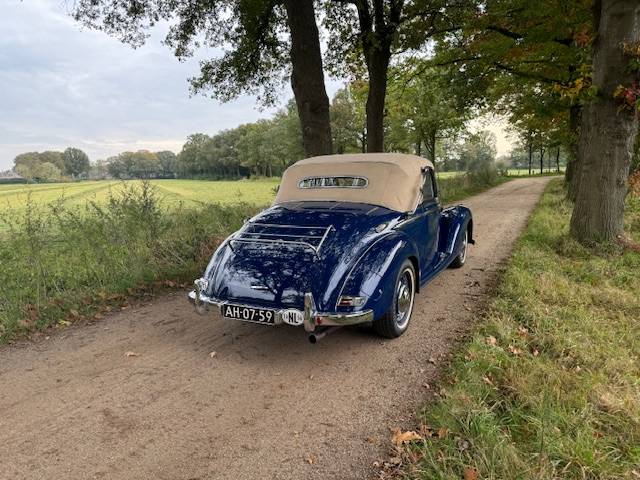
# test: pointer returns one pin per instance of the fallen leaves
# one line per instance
(470, 473)
(213, 354)
(491, 340)
(515, 350)
(131, 354)
(400, 438)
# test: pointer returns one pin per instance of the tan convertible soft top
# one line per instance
(393, 180)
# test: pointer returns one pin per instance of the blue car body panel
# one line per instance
(358, 251)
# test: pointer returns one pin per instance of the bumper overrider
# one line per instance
(312, 318)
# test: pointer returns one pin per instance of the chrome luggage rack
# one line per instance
(268, 233)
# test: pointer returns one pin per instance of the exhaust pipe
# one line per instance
(320, 333)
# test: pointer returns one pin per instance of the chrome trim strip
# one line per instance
(455, 239)
(324, 177)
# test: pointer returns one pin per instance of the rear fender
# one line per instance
(454, 221)
(374, 276)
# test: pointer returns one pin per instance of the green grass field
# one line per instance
(188, 193)
(170, 192)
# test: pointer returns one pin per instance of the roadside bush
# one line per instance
(57, 259)
(459, 186)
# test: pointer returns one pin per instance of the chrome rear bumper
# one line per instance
(312, 318)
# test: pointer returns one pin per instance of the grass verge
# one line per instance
(61, 264)
(454, 188)
(549, 385)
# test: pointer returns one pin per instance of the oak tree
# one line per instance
(609, 123)
(264, 41)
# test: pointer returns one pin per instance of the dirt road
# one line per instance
(268, 405)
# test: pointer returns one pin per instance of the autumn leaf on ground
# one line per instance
(131, 354)
(491, 340)
(470, 473)
(515, 350)
(311, 460)
(522, 331)
(442, 432)
(213, 354)
(399, 437)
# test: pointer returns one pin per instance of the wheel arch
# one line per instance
(416, 269)
(378, 267)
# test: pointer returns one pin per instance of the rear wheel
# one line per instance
(395, 321)
(462, 256)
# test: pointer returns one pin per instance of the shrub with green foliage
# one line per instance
(60, 259)
(457, 187)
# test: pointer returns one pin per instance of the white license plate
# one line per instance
(292, 317)
(249, 314)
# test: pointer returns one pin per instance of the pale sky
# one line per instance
(61, 85)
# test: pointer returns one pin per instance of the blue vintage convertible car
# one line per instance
(349, 239)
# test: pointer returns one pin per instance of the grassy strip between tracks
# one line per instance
(61, 263)
(549, 384)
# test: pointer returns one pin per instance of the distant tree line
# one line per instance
(52, 165)
(421, 119)
(140, 164)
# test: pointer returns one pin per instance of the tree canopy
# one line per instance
(52, 165)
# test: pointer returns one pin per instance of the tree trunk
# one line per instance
(572, 173)
(378, 65)
(541, 160)
(530, 156)
(307, 78)
(607, 135)
(432, 146)
(378, 27)
(558, 160)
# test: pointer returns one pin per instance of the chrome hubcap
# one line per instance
(463, 249)
(404, 298)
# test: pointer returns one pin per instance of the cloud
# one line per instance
(61, 86)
